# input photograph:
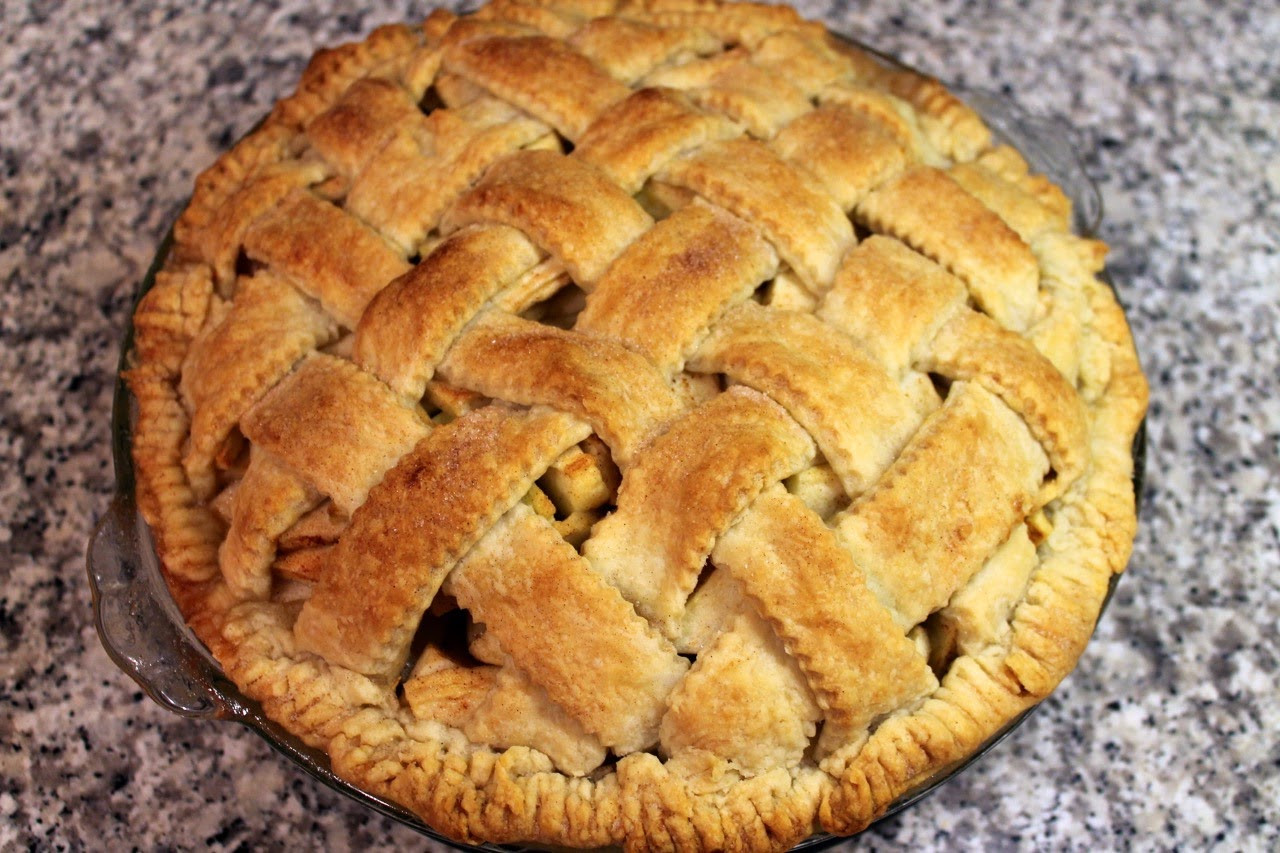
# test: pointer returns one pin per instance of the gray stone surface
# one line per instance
(1165, 736)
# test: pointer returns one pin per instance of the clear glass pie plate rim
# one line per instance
(145, 635)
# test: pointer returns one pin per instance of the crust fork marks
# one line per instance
(363, 614)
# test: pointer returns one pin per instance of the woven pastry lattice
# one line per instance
(655, 424)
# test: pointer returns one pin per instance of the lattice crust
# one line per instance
(524, 421)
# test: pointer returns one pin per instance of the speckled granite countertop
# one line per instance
(1165, 736)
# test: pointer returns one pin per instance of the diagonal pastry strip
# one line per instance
(929, 211)
(855, 411)
(847, 151)
(544, 77)
(410, 324)
(616, 390)
(789, 205)
(565, 205)
(428, 510)
(640, 134)
(540, 599)
(745, 700)
(860, 665)
(684, 489)
(669, 286)
(972, 346)
(328, 428)
(406, 186)
(964, 481)
(335, 425)
(267, 328)
(327, 254)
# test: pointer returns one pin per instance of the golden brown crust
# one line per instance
(930, 212)
(574, 212)
(610, 387)
(972, 346)
(410, 324)
(267, 329)
(639, 303)
(325, 253)
(851, 406)
(314, 225)
(684, 490)
(640, 134)
(549, 79)
(803, 223)
(503, 452)
(848, 151)
(617, 684)
(859, 664)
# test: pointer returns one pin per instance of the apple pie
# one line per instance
(634, 422)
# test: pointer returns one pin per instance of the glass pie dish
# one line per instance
(144, 633)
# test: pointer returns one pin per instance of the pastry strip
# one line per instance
(629, 49)
(267, 329)
(416, 523)
(673, 282)
(798, 217)
(406, 186)
(617, 391)
(848, 152)
(891, 300)
(683, 490)
(745, 700)
(972, 346)
(929, 211)
(337, 426)
(617, 684)
(966, 479)
(408, 327)
(361, 122)
(567, 207)
(852, 407)
(858, 662)
(544, 77)
(327, 254)
(639, 135)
